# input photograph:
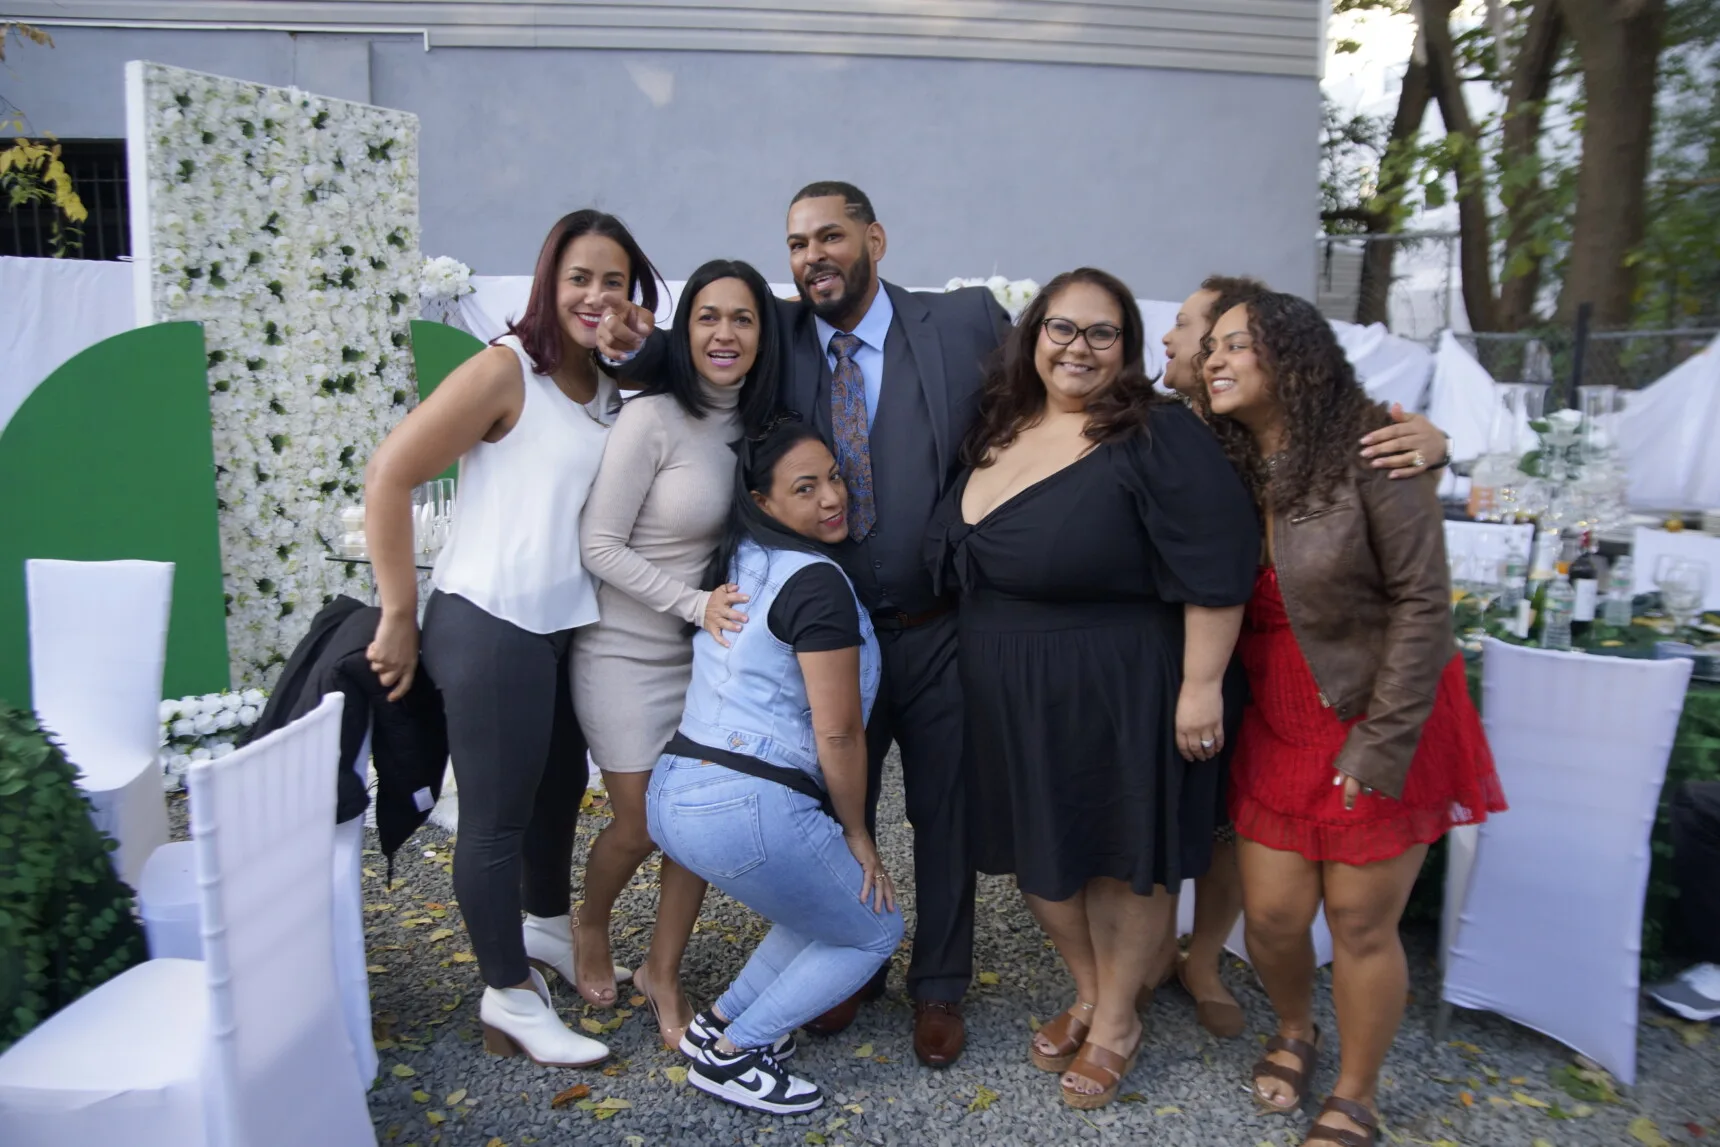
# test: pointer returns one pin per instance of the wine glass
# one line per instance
(1683, 584)
(1487, 574)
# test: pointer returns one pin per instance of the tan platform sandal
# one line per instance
(1066, 1033)
(1369, 1136)
(1103, 1066)
(1297, 1077)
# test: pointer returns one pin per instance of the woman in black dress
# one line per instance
(1104, 549)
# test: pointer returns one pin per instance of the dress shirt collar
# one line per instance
(873, 328)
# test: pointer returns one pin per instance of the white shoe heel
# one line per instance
(521, 1021)
(549, 948)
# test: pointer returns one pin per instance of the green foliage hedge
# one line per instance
(66, 923)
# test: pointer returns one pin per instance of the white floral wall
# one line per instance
(287, 224)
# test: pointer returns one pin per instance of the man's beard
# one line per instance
(854, 284)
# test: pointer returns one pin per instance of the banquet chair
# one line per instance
(98, 645)
(173, 920)
(1544, 903)
(245, 1048)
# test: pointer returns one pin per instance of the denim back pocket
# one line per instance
(719, 841)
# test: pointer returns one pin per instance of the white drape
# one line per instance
(51, 310)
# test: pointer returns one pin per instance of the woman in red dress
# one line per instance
(1359, 747)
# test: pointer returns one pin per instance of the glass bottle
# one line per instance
(1560, 601)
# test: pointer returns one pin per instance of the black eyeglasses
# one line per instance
(1099, 335)
(775, 423)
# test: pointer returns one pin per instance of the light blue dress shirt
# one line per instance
(872, 331)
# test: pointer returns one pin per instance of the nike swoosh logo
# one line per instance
(753, 1081)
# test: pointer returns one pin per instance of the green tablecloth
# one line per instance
(1695, 757)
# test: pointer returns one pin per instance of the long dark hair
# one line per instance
(1325, 407)
(755, 469)
(1014, 394)
(681, 380)
(539, 329)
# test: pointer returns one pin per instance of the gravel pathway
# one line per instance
(1494, 1084)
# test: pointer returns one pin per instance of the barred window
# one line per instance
(97, 168)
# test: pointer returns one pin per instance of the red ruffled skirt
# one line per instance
(1281, 790)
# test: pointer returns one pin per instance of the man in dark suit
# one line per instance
(892, 379)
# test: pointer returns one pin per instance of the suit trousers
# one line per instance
(919, 707)
(1696, 864)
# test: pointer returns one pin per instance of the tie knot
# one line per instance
(844, 344)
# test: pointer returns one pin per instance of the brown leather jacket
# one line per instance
(1368, 591)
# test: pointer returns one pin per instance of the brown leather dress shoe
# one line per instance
(844, 1013)
(939, 1032)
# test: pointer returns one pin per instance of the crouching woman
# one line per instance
(762, 790)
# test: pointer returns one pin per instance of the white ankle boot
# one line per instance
(520, 1021)
(549, 945)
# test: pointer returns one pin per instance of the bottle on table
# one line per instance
(1560, 603)
(1516, 572)
(1531, 611)
(1619, 596)
(1585, 575)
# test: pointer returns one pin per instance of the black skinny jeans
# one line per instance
(519, 762)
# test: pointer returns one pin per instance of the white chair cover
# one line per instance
(98, 645)
(173, 921)
(1237, 943)
(1648, 546)
(351, 979)
(245, 1048)
(1549, 932)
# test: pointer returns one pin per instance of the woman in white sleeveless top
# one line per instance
(527, 419)
(657, 512)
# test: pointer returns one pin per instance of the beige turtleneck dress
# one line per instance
(654, 516)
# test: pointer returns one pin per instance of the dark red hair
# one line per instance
(539, 329)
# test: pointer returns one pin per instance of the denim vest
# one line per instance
(751, 697)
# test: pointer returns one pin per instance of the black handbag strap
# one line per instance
(682, 746)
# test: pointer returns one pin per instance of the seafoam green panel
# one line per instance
(437, 349)
(111, 457)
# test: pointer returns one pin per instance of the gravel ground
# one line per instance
(1492, 1084)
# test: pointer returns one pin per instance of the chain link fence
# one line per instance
(1629, 360)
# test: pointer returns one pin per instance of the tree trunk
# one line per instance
(1475, 245)
(1619, 42)
(1378, 256)
(1531, 76)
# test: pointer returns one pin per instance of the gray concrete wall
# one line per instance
(1161, 176)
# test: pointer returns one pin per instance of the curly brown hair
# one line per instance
(1325, 408)
(1013, 398)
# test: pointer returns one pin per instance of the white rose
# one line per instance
(254, 697)
(231, 701)
(184, 727)
(248, 715)
(226, 720)
(201, 754)
(204, 725)
(169, 711)
(221, 750)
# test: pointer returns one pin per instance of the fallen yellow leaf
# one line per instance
(591, 1025)
(1168, 1109)
(677, 1075)
(863, 1051)
(983, 1097)
(637, 1001)
(463, 958)
(495, 1141)
(855, 1108)
(421, 1097)
(436, 1118)
(401, 1071)
(441, 933)
(1645, 1131)
(1528, 1100)
(1466, 1099)
(454, 1097)
(989, 978)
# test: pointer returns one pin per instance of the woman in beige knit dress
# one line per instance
(654, 517)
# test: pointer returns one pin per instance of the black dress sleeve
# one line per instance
(1199, 516)
(815, 611)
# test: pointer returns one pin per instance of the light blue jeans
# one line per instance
(775, 851)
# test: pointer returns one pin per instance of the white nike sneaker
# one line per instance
(706, 1028)
(520, 1021)
(755, 1080)
(1695, 994)
(549, 947)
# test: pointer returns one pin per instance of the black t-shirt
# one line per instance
(815, 611)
